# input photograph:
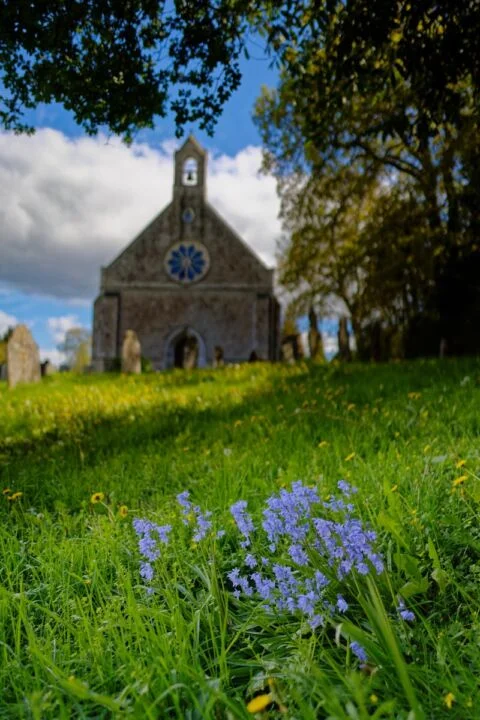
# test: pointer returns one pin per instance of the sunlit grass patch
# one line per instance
(82, 458)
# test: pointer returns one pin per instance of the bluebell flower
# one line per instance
(316, 621)
(185, 504)
(146, 571)
(264, 586)
(359, 651)
(202, 523)
(250, 561)
(243, 521)
(346, 488)
(298, 554)
(239, 583)
(404, 613)
(342, 605)
(150, 534)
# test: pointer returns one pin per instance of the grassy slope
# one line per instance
(78, 635)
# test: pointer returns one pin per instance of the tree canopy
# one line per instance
(379, 185)
(122, 64)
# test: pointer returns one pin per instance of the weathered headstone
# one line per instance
(47, 368)
(292, 348)
(344, 352)
(288, 350)
(131, 353)
(315, 343)
(218, 359)
(23, 360)
(190, 353)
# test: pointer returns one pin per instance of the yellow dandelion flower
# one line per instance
(15, 496)
(260, 703)
(123, 511)
(97, 497)
(350, 457)
(459, 481)
(449, 699)
(460, 464)
(6, 491)
(373, 699)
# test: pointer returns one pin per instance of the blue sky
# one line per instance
(30, 289)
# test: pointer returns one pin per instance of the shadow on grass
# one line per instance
(163, 429)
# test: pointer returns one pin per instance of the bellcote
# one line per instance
(190, 169)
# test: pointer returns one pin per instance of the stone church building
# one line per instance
(187, 279)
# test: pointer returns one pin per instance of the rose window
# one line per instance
(187, 262)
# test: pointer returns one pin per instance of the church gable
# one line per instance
(142, 260)
(232, 260)
(188, 243)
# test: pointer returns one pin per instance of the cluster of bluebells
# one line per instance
(311, 533)
(313, 547)
(202, 522)
(149, 536)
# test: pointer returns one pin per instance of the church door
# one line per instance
(185, 352)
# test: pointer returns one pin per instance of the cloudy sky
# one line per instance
(70, 203)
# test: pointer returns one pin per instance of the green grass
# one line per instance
(79, 636)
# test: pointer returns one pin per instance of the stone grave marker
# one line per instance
(190, 353)
(344, 352)
(23, 360)
(218, 360)
(131, 353)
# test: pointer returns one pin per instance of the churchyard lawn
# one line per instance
(118, 599)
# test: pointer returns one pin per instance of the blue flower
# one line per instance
(359, 651)
(186, 262)
(405, 614)
(203, 524)
(149, 535)
(243, 521)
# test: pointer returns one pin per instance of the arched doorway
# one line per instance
(184, 348)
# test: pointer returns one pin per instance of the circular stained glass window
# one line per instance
(188, 215)
(187, 262)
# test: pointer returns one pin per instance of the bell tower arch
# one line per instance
(190, 169)
(189, 190)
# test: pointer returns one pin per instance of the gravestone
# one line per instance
(47, 368)
(292, 348)
(344, 352)
(218, 360)
(190, 353)
(315, 343)
(131, 353)
(288, 349)
(23, 360)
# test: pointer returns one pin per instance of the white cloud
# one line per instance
(58, 326)
(330, 344)
(6, 321)
(56, 357)
(68, 206)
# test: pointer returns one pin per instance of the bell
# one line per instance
(190, 176)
